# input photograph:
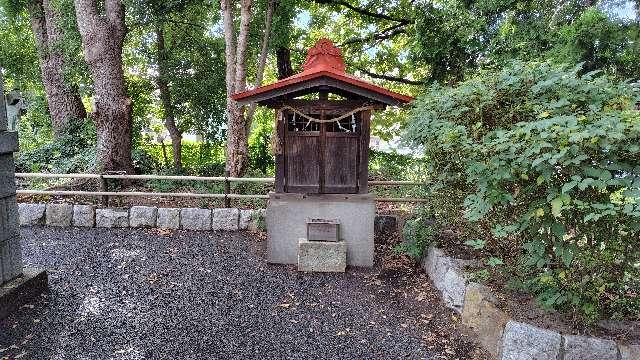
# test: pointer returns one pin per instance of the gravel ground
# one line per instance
(149, 294)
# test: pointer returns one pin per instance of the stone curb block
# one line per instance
(225, 219)
(112, 218)
(586, 348)
(168, 218)
(525, 342)
(195, 219)
(84, 215)
(629, 352)
(143, 216)
(31, 214)
(447, 276)
(59, 215)
(502, 337)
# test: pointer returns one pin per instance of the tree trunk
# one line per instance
(262, 60)
(102, 39)
(64, 100)
(167, 104)
(236, 76)
(283, 56)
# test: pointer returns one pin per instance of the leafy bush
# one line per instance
(418, 234)
(548, 163)
(72, 152)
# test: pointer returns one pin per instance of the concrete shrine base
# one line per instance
(17, 292)
(287, 216)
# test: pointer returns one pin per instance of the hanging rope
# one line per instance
(321, 121)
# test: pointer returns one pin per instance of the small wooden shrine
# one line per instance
(321, 215)
(323, 124)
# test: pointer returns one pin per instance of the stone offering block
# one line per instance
(195, 219)
(59, 214)
(142, 216)
(84, 215)
(323, 230)
(168, 218)
(31, 214)
(322, 256)
(112, 218)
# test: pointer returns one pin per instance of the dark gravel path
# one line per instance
(143, 294)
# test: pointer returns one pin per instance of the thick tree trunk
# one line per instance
(236, 76)
(165, 97)
(102, 40)
(283, 58)
(64, 100)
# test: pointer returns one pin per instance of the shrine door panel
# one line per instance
(341, 163)
(303, 162)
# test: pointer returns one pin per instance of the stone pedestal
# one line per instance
(322, 256)
(287, 216)
(14, 286)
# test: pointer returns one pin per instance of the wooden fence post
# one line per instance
(227, 189)
(103, 187)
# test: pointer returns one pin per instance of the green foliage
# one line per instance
(548, 161)
(418, 234)
(73, 152)
(260, 156)
(203, 159)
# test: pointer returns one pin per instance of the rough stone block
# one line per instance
(168, 218)
(59, 214)
(31, 214)
(84, 215)
(526, 342)
(8, 218)
(447, 276)
(142, 216)
(322, 256)
(112, 218)
(287, 216)
(385, 224)
(483, 316)
(17, 292)
(8, 143)
(629, 352)
(225, 219)
(7, 175)
(10, 259)
(195, 219)
(587, 348)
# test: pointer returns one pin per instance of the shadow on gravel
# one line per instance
(149, 294)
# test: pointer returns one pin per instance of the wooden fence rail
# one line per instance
(227, 195)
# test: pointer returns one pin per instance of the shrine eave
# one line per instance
(309, 81)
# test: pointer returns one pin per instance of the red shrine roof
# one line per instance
(324, 67)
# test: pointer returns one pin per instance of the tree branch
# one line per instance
(389, 77)
(361, 11)
(382, 35)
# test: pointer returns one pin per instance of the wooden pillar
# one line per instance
(363, 161)
(280, 160)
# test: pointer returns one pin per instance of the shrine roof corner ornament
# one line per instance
(324, 70)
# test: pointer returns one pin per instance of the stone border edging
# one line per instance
(66, 215)
(503, 337)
